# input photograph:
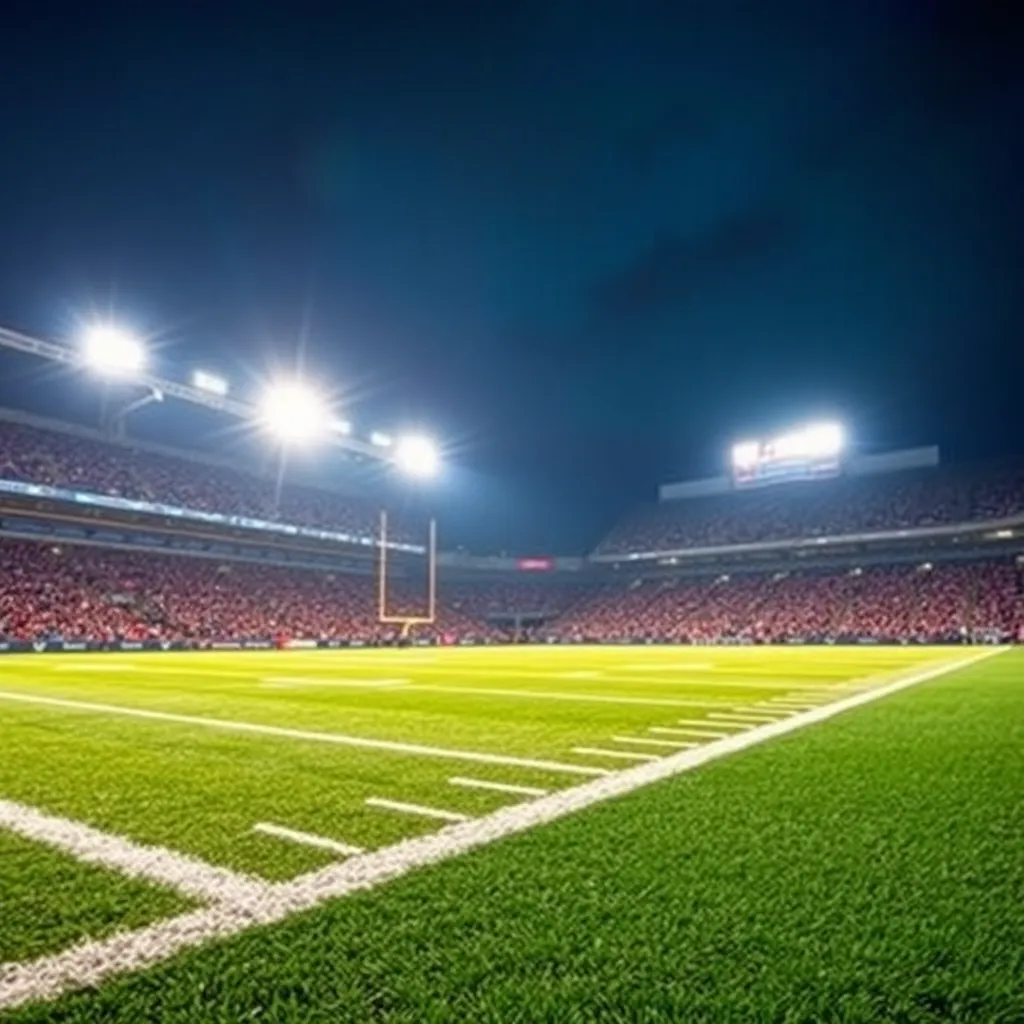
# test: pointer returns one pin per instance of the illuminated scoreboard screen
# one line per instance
(805, 454)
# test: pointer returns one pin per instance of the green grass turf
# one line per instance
(866, 869)
(200, 791)
(48, 900)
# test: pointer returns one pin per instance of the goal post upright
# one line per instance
(406, 621)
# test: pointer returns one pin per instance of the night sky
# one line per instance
(588, 243)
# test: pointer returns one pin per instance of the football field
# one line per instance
(236, 825)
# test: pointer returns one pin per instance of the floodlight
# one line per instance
(112, 351)
(341, 427)
(745, 454)
(822, 439)
(417, 456)
(381, 440)
(294, 412)
(210, 382)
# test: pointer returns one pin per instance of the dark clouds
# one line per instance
(675, 270)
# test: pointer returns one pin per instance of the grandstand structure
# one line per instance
(109, 542)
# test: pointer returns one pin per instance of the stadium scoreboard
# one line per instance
(808, 453)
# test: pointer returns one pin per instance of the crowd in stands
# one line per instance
(905, 500)
(79, 592)
(506, 602)
(34, 455)
(936, 603)
(75, 592)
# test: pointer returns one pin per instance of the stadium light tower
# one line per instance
(417, 456)
(113, 352)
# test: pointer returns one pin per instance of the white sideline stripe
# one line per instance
(188, 875)
(320, 681)
(498, 787)
(677, 744)
(91, 963)
(307, 839)
(624, 755)
(360, 742)
(419, 809)
(587, 698)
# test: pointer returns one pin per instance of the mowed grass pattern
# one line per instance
(864, 869)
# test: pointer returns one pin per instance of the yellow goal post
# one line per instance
(407, 622)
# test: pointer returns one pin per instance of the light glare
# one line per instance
(823, 439)
(745, 454)
(417, 456)
(112, 351)
(294, 412)
(381, 440)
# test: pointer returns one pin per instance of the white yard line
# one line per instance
(293, 681)
(677, 744)
(91, 666)
(789, 705)
(622, 755)
(703, 734)
(670, 666)
(586, 698)
(91, 963)
(307, 839)
(417, 809)
(823, 694)
(187, 875)
(742, 720)
(497, 787)
(255, 728)
(700, 723)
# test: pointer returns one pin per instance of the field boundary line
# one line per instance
(91, 963)
(285, 732)
(187, 875)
